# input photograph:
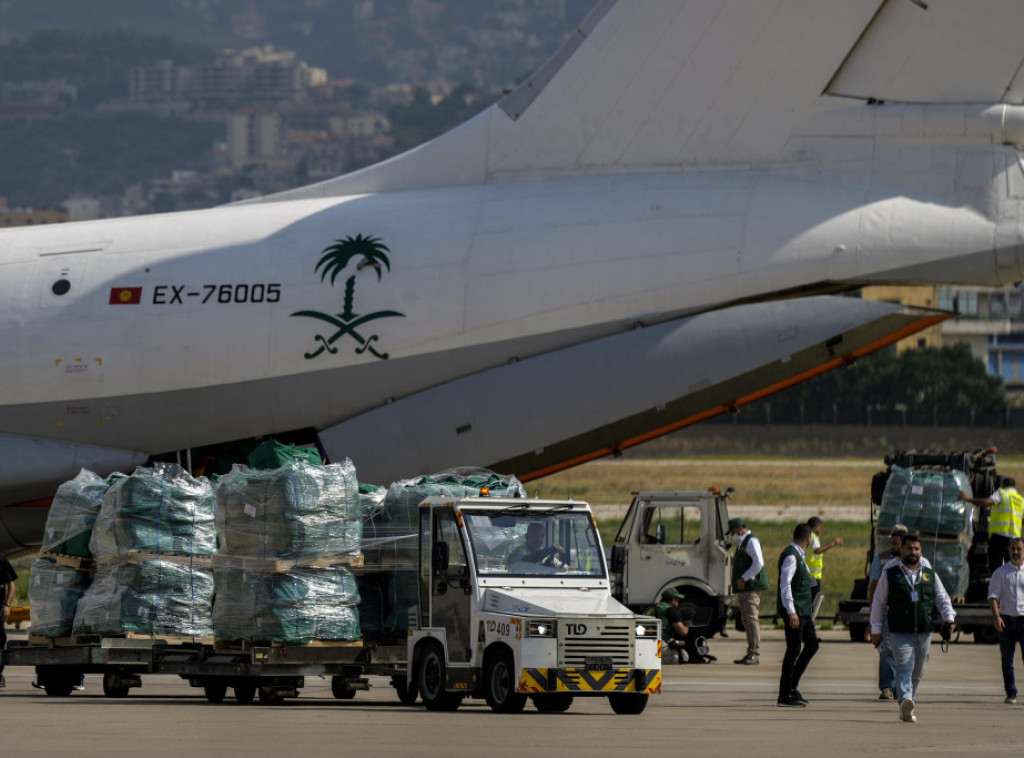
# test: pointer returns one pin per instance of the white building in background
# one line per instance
(254, 136)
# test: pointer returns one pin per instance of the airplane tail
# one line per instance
(656, 85)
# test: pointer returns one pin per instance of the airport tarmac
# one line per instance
(717, 709)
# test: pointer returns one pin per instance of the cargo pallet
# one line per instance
(274, 671)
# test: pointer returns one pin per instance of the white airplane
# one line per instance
(651, 230)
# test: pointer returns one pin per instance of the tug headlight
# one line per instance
(646, 630)
(541, 629)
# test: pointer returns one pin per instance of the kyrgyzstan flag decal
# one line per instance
(125, 295)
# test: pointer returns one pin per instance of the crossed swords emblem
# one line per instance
(347, 327)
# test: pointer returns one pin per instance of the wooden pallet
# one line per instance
(227, 643)
(133, 557)
(284, 565)
(70, 561)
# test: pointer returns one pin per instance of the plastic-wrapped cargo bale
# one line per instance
(390, 540)
(294, 607)
(271, 454)
(73, 512)
(53, 594)
(926, 501)
(300, 511)
(953, 515)
(152, 596)
(161, 510)
(949, 559)
(895, 494)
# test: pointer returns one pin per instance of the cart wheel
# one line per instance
(245, 693)
(112, 686)
(57, 683)
(270, 696)
(215, 692)
(340, 688)
(407, 691)
(628, 703)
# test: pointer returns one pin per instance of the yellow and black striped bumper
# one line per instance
(581, 680)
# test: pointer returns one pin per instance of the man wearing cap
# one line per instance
(795, 607)
(749, 579)
(674, 626)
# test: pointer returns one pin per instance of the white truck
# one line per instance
(676, 539)
(514, 604)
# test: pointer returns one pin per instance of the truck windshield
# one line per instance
(523, 543)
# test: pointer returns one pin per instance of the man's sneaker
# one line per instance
(886, 694)
(1010, 699)
(80, 686)
(801, 698)
(3, 682)
(907, 710)
(748, 660)
(791, 701)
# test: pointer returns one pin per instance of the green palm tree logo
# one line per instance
(372, 253)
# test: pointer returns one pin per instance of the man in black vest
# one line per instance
(749, 579)
(795, 607)
(907, 595)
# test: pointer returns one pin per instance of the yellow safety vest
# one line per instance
(814, 562)
(1005, 517)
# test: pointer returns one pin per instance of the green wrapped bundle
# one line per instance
(73, 513)
(300, 511)
(271, 455)
(150, 597)
(294, 608)
(389, 536)
(160, 510)
(949, 559)
(385, 599)
(53, 594)
(927, 501)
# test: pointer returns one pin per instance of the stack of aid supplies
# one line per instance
(288, 533)
(927, 502)
(151, 544)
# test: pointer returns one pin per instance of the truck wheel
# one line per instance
(552, 703)
(245, 693)
(431, 676)
(857, 630)
(215, 692)
(628, 703)
(340, 688)
(986, 634)
(500, 684)
(112, 686)
(406, 690)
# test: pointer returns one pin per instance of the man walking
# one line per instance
(1005, 510)
(815, 560)
(795, 608)
(907, 594)
(749, 579)
(1006, 599)
(886, 667)
(7, 577)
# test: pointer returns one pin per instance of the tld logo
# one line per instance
(576, 630)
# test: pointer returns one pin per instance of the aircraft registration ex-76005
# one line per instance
(652, 229)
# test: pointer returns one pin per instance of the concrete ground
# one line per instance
(717, 709)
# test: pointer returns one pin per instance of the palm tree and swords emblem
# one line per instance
(371, 252)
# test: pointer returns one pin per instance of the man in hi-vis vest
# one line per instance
(1006, 506)
(749, 578)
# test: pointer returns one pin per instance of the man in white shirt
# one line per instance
(1006, 599)
(749, 579)
(907, 594)
(795, 607)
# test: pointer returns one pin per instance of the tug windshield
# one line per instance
(528, 542)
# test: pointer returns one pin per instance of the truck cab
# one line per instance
(515, 604)
(676, 539)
